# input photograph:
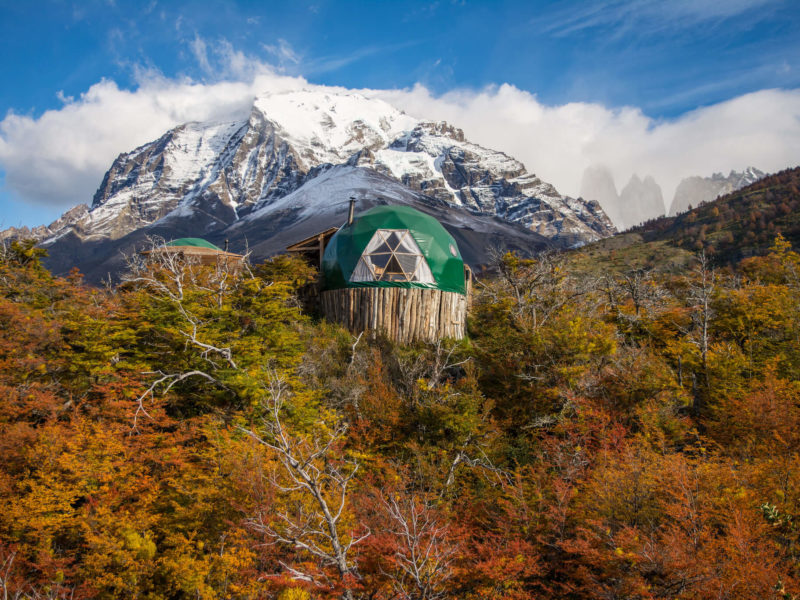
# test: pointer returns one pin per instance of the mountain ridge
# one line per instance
(206, 177)
(693, 191)
(641, 199)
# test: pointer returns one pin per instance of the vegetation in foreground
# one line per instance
(603, 434)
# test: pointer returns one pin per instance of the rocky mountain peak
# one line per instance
(640, 200)
(208, 177)
(598, 184)
(54, 229)
(693, 191)
(441, 129)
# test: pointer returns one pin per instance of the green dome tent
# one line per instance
(393, 246)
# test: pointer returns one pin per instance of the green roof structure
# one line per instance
(195, 242)
(393, 246)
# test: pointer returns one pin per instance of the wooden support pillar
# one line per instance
(405, 315)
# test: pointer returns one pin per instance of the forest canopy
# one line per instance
(602, 433)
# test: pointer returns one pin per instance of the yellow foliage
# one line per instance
(294, 593)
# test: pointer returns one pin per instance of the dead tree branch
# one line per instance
(316, 487)
(424, 556)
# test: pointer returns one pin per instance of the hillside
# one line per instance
(738, 225)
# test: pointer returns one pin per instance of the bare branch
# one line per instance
(168, 381)
(422, 563)
(308, 467)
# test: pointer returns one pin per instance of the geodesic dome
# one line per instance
(393, 246)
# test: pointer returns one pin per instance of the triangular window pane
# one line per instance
(363, 271)
(377, 240)
(408, 262)
(394, 271)
(393, 239)
(393, 267)
(423, 272)
(408, 245)
(380, 260)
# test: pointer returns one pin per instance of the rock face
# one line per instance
(639, 200)
(64, 223)
(208, 177)
(598, 184)
(693, 191)
(436, 159)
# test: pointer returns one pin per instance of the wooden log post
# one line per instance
(404, 315)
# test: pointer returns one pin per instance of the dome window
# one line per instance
(392, 255)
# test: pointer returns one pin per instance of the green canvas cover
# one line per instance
(196, 242)
(438, 248)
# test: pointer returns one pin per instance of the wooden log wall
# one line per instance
(404, 315)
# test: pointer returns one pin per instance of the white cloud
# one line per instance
(200, 51)
(645, 17)
(283, 51)
(325, 64)
(59, 158)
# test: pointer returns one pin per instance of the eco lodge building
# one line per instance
(198, 251)
(393, 270)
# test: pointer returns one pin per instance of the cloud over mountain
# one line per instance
(560, 142)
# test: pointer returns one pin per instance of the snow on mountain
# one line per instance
(330, 128)
(216, 174)
(144, 185)
(327, 193)
(693, 191)
(436, 159)
(324, 201)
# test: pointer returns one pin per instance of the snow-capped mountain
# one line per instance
(210, 177)
(693, 191)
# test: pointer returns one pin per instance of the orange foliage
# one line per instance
(583, 443)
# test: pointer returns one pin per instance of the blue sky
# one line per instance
(666, 58)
